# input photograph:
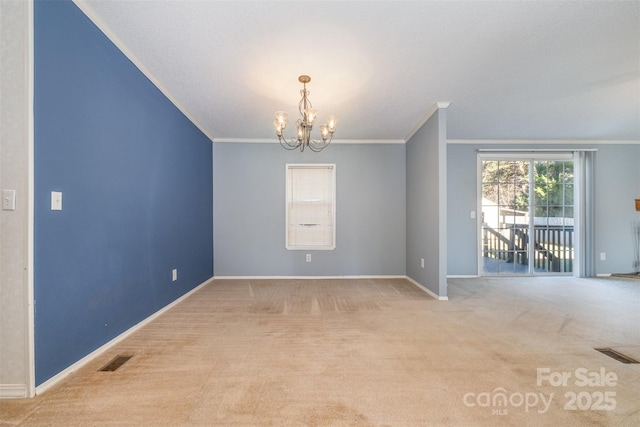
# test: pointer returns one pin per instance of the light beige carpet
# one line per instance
(366, 353)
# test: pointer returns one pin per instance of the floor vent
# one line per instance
(115, 363)
(615, 355)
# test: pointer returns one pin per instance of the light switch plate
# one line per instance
(8, 200)
(56, 200)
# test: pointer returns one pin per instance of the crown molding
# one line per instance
(541, 141)
(335, 141)
(430, 112)
(84, 6)
(368, 141)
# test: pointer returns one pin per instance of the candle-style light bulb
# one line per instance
(310, 115)
(324, 132)
(281, 118)
(332, 121)
(300, 131)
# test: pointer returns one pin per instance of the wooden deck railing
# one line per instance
(553, 246)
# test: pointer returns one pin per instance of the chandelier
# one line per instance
(304, 124)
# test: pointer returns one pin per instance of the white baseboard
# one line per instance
(89, 357)
(427, 290)
(13, 391)
(304, 277)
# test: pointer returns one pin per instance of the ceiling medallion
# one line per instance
(304, 124)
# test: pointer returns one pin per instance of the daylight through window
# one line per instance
(310, 207)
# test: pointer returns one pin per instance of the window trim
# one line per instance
(290, 166)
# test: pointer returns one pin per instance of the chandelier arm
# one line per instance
(316, 150)
(317, 146)
(289, 145)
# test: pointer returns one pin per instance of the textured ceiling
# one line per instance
(511, 70)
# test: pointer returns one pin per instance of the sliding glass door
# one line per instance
(526, 222)
(553, 220)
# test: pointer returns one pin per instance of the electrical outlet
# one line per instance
(308, 257)
(174, 275)
(603, 256)
(422, 262)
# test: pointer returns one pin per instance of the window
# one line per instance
(311, 207)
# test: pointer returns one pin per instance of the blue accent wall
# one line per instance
(136, 178)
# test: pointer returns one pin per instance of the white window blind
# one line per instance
(311, 206)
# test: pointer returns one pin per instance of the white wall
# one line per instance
(15, 81)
